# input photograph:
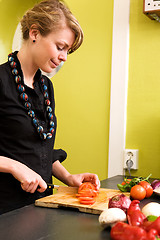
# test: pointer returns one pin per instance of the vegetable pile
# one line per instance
(138, 187)
(136, 224)
(132, 224)
(139, 227)
(87, 193)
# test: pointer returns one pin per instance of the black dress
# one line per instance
(19, 139)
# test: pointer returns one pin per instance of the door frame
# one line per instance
(119, 86)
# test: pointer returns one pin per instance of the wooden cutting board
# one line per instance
(66, 197)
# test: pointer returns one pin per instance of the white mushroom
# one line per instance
(111, 216)
(151, 208)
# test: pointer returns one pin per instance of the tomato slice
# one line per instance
(86, 185)
(88, 202)
(87, 193)
(86, 198)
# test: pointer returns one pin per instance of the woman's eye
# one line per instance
(60, 48)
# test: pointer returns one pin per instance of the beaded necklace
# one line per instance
(27, 104)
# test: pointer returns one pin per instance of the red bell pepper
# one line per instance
(134, 215)
(151, 235)
(123, 231)
(154, 225)
(133, 206)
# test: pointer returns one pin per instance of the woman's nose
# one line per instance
(63, 56)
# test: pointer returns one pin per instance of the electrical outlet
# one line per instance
(131, 154)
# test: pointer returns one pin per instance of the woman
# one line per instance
(27, 117)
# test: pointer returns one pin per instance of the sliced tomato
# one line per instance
(87, 193)
(86, 185)
(88, 202)
(84, 195)
(86, 198)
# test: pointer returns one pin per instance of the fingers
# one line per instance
(93, 178)
(29, 179)
(29, 186)
(97, 181)
(32, 186)
(42, 186)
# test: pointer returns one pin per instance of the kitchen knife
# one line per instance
(52, 186)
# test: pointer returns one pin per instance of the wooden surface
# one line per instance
(66, 197)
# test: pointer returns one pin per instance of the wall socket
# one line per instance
(132, 154)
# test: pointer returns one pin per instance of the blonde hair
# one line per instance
(48, 16)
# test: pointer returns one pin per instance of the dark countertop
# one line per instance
(37, 223)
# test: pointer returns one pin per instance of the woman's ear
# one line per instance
(33, 33)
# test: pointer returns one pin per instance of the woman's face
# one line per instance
(49, 51)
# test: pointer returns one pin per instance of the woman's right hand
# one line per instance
(30, 180)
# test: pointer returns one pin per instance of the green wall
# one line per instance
(143, 106)
(82, 91)
(10, 14)
(82, 86)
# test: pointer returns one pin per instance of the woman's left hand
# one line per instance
(76, 180)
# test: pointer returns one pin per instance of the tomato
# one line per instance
(86, 198)
(138, 192)
(127, 181)
(86, 185)
(87, 193)
(87, 201)
(146, 185)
